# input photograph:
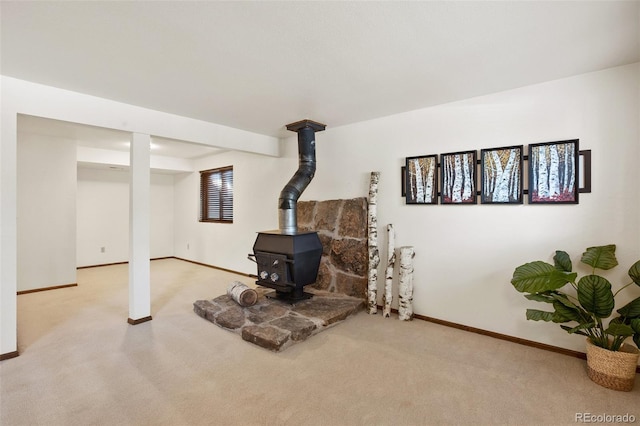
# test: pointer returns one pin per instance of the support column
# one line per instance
(8, 235)
(139, 229)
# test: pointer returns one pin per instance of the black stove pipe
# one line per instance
(287, 204)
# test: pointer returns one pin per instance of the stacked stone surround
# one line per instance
(342, 228)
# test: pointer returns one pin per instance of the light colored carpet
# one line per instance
(82, 364)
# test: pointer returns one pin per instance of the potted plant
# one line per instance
(583, 308)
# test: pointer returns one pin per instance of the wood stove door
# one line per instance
(272, 268)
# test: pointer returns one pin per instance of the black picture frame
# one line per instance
(553, 172)
(421, 179)
(501, 175)
(458, 171)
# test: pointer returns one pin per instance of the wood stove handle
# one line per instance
(252, 257)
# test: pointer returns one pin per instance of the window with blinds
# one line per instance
(216, 195)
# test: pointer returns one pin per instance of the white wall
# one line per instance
(23, 97)
(257, 182)
(46, 211)
(465, 255)
(103, 216)
(162, 220)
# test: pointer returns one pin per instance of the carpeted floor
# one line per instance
(82, 364)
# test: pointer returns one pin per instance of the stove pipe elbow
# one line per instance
(288, 202)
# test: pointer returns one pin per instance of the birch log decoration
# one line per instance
(242, 294)
(374, 256)
(388, 276)
(405, 290)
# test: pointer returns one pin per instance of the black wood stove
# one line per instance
(287, 263)
(287, 260)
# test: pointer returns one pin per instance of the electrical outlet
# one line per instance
(187, 246)
(102, 249)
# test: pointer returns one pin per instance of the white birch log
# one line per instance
(388, 276)
(242, 294)
(405, 290)
(374, 255)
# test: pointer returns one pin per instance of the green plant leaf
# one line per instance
(618, 320)
(601, 257)
(558, 318)
(574, 330)
(540, 297)
(566, 313)
(595, 295)
(538, 277)
(617, 329)
(536, 315)
(631, 309)
(634, 272)
(562, 261)
(562, 298)
(635, 325)
(582, 316)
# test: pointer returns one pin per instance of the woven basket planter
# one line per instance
(612, 369)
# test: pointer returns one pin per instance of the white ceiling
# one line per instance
(260, 65)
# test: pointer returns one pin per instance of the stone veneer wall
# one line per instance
(342, 228)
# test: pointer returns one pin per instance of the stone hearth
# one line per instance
(274, 324)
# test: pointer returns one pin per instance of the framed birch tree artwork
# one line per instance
(421, 180)
(501, 175)
(458, 177)
(553, 172)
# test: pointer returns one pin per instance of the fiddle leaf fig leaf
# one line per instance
(631, 309)
(536, 315)
(634, 272)
(617, 329)
(538, 277)
(595, 295)
(600, 257)
(562, 261)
